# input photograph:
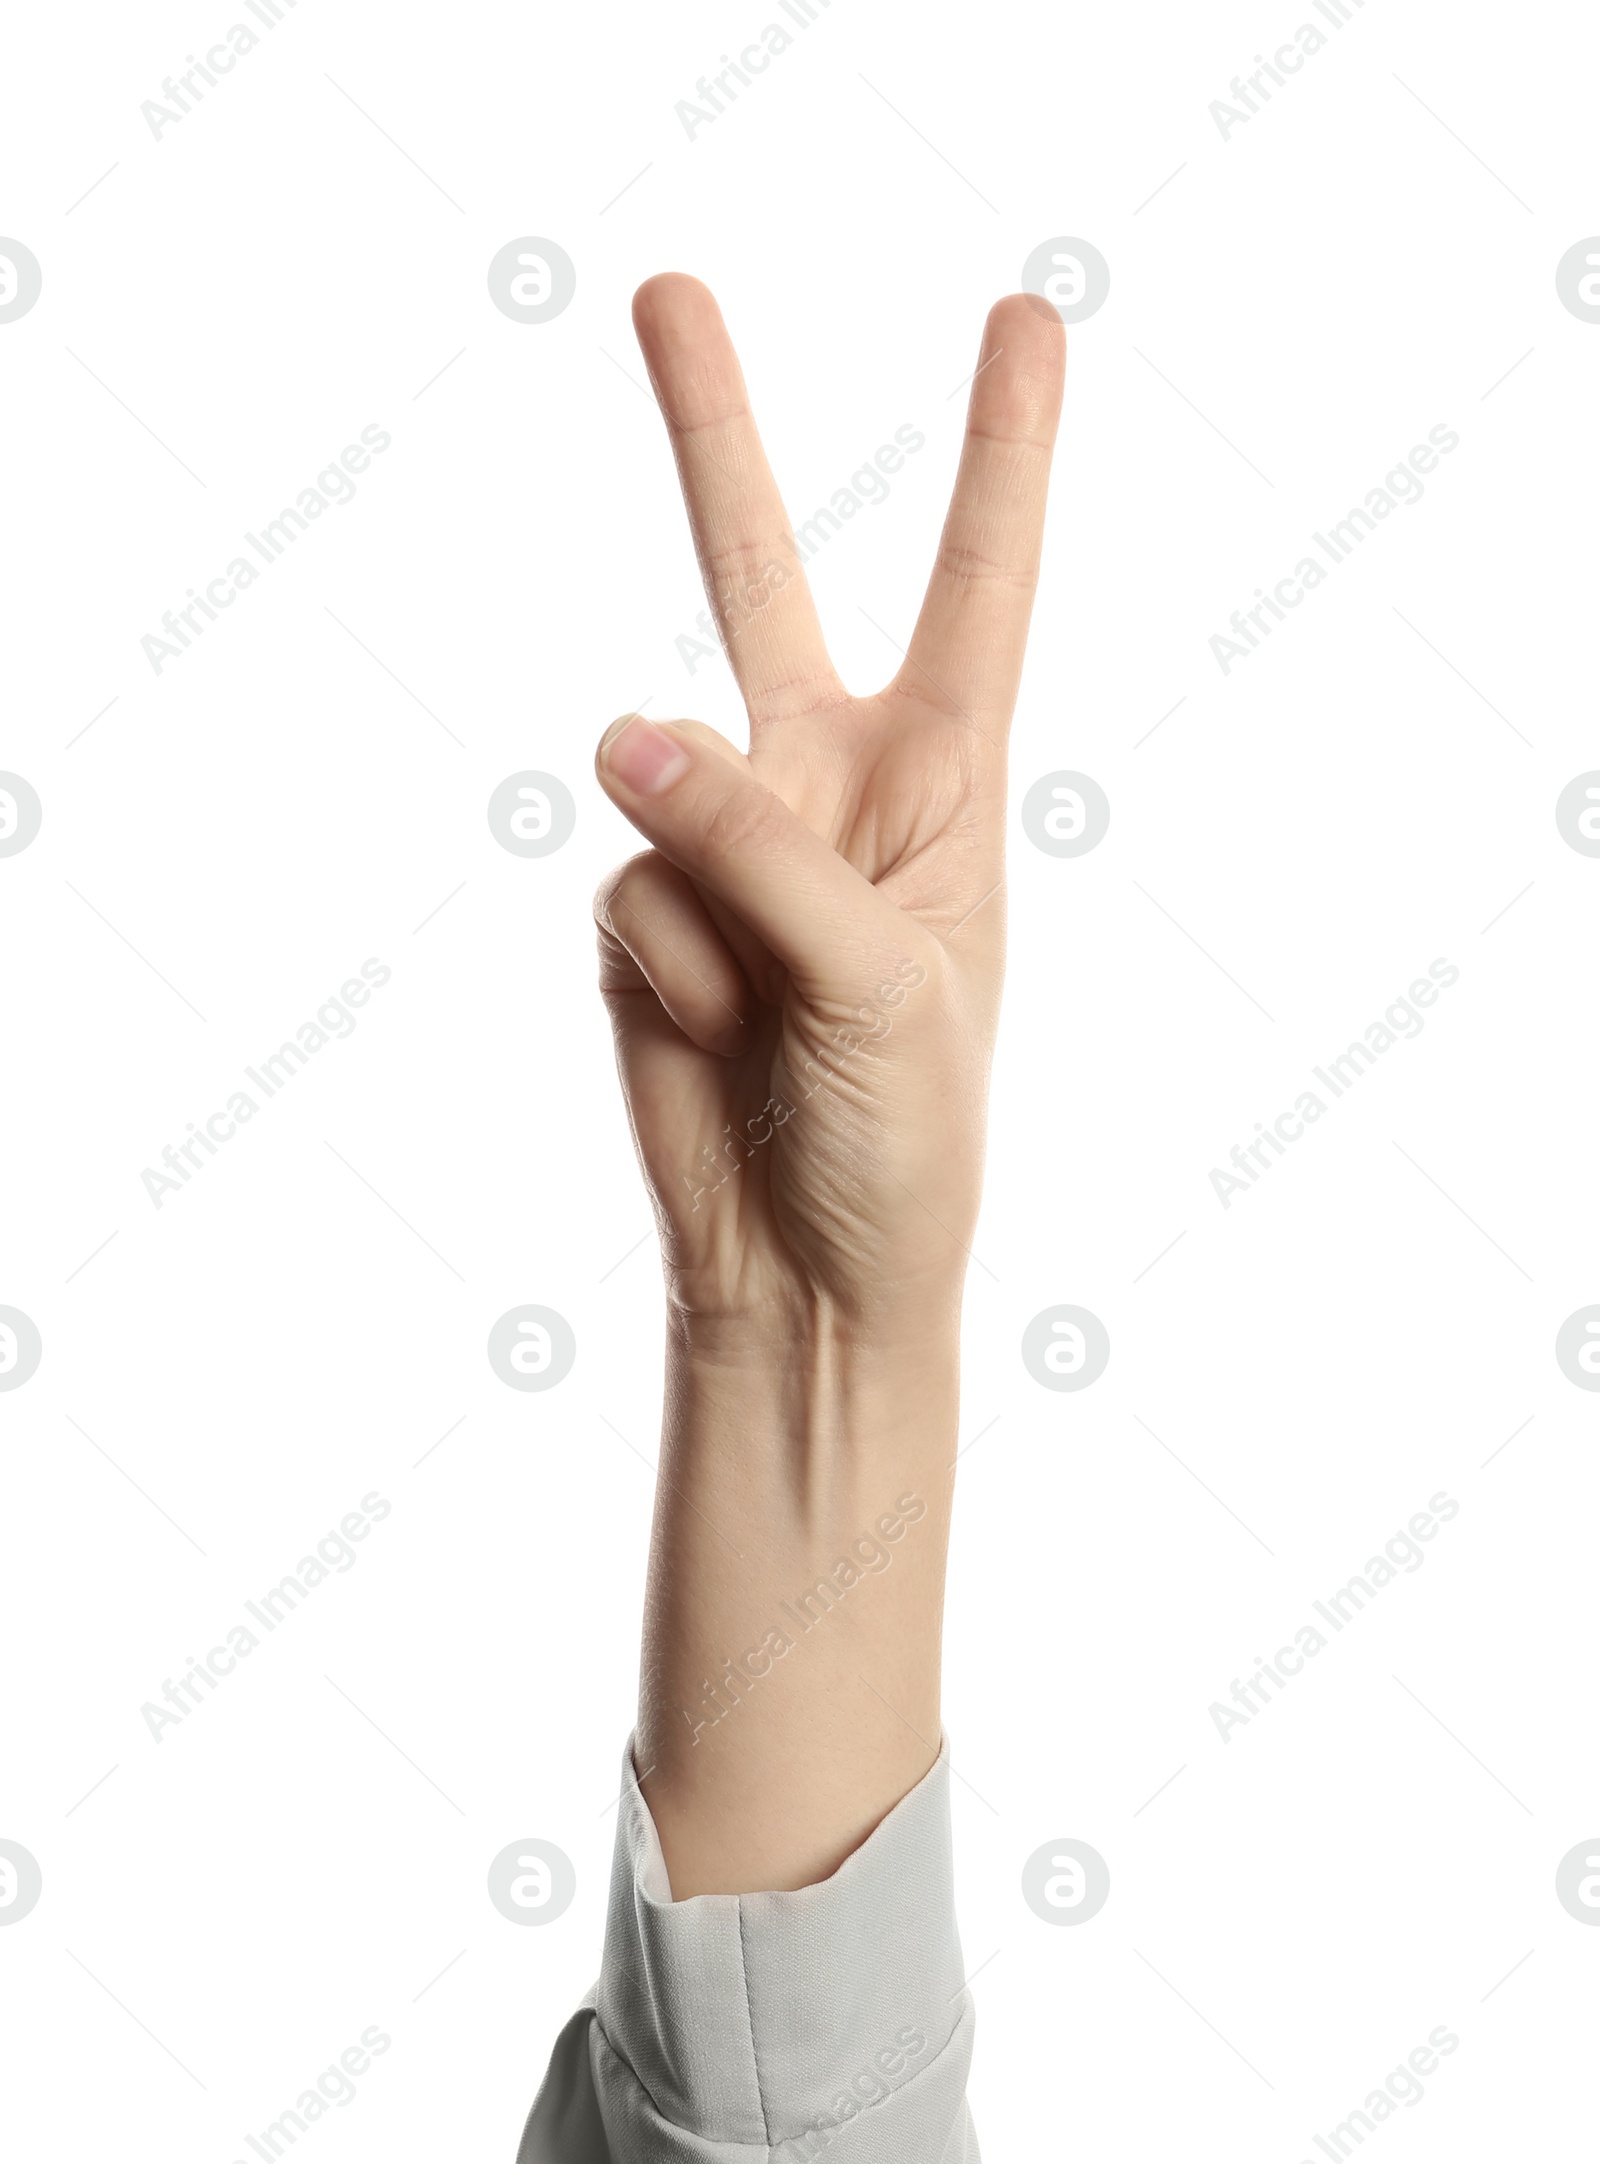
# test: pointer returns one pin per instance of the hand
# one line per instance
(803, 971)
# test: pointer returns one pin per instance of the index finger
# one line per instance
(966, 652)
(748, 557)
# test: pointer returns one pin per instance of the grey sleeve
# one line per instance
(759, 2028)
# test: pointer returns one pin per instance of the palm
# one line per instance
(879, 1071)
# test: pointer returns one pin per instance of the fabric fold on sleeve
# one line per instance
(758, 2028)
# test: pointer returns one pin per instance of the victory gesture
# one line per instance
(803, 970)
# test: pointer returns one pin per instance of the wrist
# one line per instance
(817, 1422)
(816, 1382)
(792, 1330)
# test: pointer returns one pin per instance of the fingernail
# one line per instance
(642, 757)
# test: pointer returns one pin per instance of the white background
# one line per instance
(1299, 839)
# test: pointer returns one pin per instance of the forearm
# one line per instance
(790, 1675)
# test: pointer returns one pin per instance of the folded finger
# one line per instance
(819, 916)
(656, 932)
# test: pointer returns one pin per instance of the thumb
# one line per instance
(743, 844)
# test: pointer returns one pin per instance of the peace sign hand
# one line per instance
(803, 971)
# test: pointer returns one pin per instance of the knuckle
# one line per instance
(971, 566)
(751, 557)
(626, 886)
(744, 822)
(1009, 439)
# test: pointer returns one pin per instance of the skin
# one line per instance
(803, 973)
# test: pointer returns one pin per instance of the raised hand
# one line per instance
(803, 971)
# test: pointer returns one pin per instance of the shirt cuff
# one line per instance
(737, 2028)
